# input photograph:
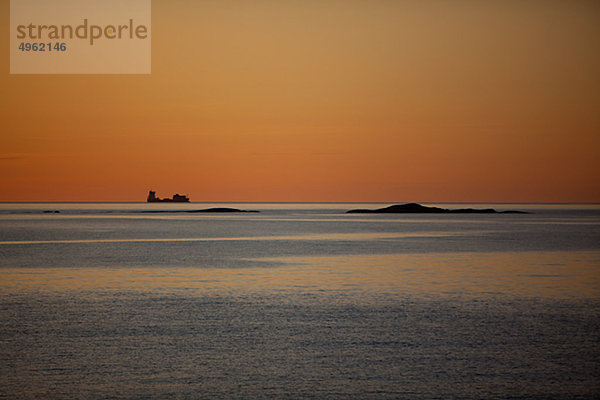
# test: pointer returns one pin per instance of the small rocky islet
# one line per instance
(415, 208)
(205, 210)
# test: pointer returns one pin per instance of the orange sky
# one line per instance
(306, 100)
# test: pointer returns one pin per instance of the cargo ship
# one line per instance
(177, 198)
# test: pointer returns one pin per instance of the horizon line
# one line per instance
(306, 202)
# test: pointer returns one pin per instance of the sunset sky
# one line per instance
(346, 100)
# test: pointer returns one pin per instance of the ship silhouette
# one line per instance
(177, 198)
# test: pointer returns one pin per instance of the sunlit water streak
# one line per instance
(530, 274)
(306, 302)
(313, 237)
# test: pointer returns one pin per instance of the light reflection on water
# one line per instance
(311, 237)
(524, 274)
(109, 303)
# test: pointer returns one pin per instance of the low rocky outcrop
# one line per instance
(205, 210)
(414, 208)
(222, 210)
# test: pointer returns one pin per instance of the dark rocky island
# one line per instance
(414, 208)
(205, 210)
(222, 210)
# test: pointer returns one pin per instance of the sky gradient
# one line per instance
(431, 101)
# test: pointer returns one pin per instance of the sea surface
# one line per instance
(110, 301)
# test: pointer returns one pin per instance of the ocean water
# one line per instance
(108, 301)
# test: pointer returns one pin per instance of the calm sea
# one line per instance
(108, 301)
